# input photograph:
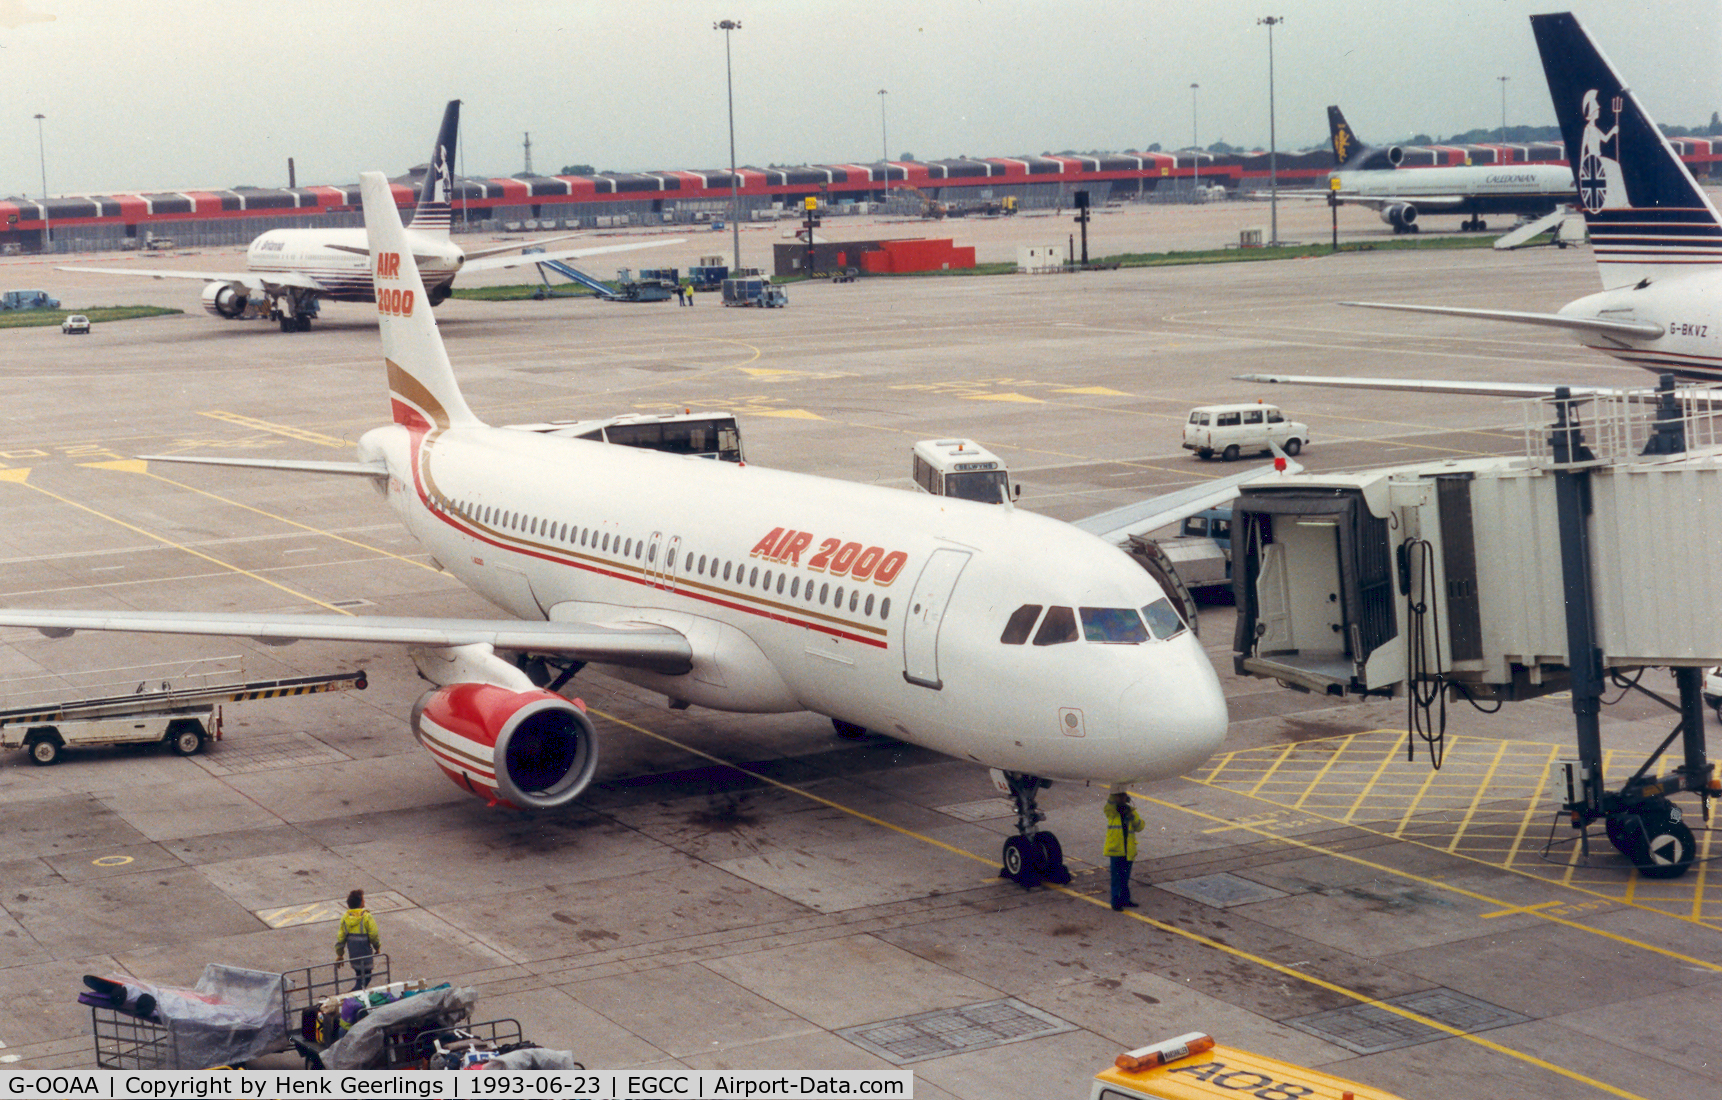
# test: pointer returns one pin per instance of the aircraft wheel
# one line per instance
(1049, 858)
(1230, 454)
(1293, 446)
(1482, 226)
(1019, 861)
(302, 323)
(286, 323)
(1413, 228)
(44, 751)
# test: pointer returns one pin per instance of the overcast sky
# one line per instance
(172, 94)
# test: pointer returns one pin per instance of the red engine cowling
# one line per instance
(532, 750)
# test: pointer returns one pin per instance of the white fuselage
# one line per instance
(1529, 188)
(1684, 304)
(327, 256)
(555, 528)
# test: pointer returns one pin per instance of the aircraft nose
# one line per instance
(1178, 717)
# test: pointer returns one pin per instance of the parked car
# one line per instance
(1232, 430)
(76, 323)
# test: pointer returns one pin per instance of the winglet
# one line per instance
(422, 388)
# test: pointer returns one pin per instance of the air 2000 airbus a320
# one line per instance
(288, 271)
(978, 630)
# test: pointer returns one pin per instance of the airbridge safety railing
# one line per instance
(1618, 426)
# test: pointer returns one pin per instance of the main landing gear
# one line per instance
(1477, 225)
(1032, 855)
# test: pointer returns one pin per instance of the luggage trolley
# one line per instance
(128, 1042)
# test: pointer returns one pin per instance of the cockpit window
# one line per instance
(1112, 624)
(1021, 622)
(1058, 627)
(1162, 619)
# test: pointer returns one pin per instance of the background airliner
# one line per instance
(288, 271)
(982, 631)
(1657, 236)
(1372, 177)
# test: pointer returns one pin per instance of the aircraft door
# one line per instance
(927, 603)
(673, 551)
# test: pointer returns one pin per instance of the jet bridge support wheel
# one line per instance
(1654, 838)
(1033, 855)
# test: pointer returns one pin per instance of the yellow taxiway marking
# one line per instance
(304, 435)
(19, 475)
(165, 541)
(789, 414)
(135, 466)
(1518, 909)
(314, 913)
(1470, 809)
(110, 861)
(1016, 397)
(1183, 933)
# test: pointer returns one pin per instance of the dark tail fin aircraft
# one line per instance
(434, 212)
(1351, 154)
(1647, 216)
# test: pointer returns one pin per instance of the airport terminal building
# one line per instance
(91, 222)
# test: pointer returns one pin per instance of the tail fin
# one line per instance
(422, 389)
(1646, 214)
(434, 212)
(1346, 147)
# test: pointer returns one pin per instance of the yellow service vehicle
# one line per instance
(1194, 1067)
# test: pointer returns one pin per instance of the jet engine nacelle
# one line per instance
(1401, 215)
(1395, 155)
(532, 750)
(224, 301)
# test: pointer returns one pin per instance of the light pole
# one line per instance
(1194, 142)
(42, 152)
(726, 26)
(1503, 81)
(1272, 21)
(884, 135)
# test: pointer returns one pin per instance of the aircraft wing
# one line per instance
(1116, 526)
(638, 645)
(297, 465)
(1644, 330)
(1481, 389)
(496, 263)
(250, 280)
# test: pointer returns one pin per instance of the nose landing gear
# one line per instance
(1032, 856)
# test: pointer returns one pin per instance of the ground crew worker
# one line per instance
(357, 937)
(1122, 825)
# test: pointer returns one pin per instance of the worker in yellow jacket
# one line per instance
(1122, 825)
(357, 937)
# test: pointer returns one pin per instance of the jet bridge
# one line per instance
(1590, 559)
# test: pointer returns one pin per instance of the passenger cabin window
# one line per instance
(1163, 621)
(1254, 416)
(1228, 420)
(1058, 627)
(1020, 624)
(1113, 624)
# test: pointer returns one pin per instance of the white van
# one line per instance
(1232, 430)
